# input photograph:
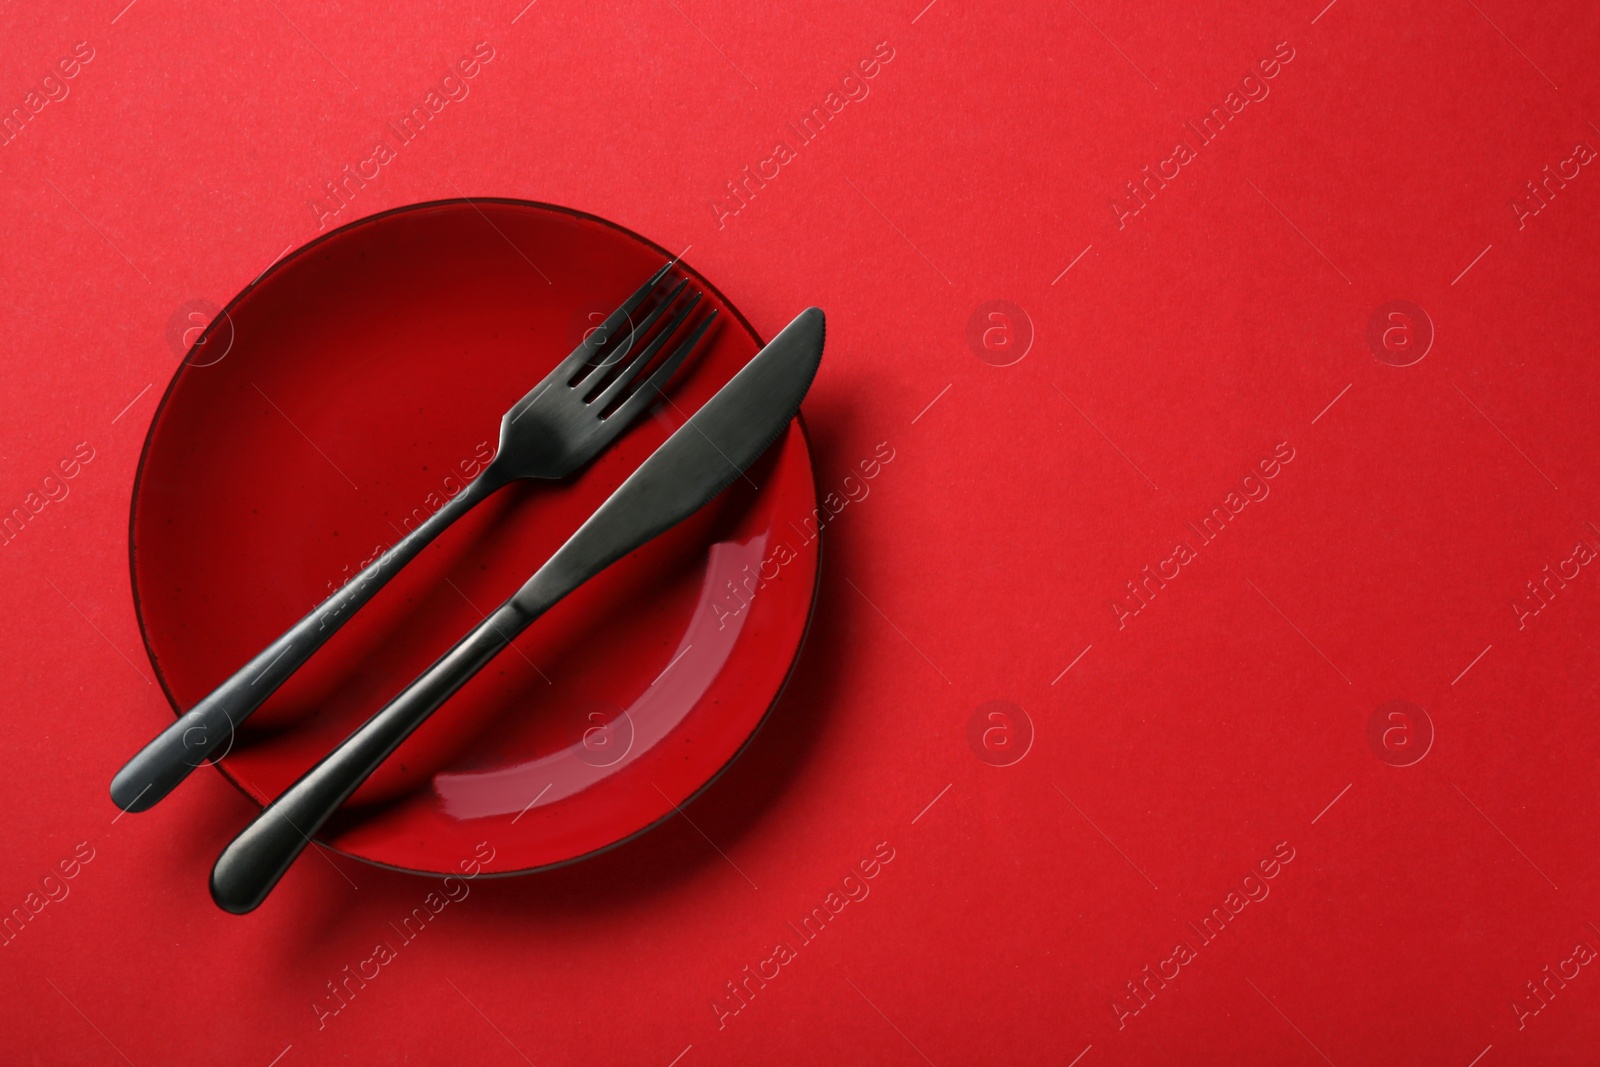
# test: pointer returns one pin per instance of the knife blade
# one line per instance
(699, 460)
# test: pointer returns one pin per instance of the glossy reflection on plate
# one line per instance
(362, 387)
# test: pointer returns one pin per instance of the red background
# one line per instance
(1223, 719)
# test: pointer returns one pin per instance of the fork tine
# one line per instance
(647, 392)
(635, 332)
(639, 362)
(602, 334)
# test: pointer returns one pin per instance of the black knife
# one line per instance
(697, 462)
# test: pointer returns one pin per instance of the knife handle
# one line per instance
(199, 733)
(254, 861)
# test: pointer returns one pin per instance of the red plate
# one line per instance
(339, 400)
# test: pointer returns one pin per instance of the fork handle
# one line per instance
(254, 861)
(200, 732)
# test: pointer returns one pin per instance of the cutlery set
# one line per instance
(564, 422)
